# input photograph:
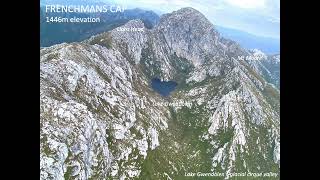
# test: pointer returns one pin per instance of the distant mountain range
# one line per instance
(249, 41)
(56, 33)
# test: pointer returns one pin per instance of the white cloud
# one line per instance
(274, 19)
(247, 4)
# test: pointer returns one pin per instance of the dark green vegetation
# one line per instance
(183, 67)
(273, 97)
(274, 69)
(181, 150)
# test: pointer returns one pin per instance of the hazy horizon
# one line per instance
(256, 17)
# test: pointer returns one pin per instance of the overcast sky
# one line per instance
(260, 17)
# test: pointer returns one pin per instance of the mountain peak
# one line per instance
(187, 16)
(134, 23)
(187, 10)
(184, 30)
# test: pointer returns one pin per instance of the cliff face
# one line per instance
(100, 119)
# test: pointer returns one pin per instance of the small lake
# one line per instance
(164, 88)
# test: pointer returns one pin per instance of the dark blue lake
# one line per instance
(163, 87)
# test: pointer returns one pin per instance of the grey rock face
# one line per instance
(91, 113)
(268, 66)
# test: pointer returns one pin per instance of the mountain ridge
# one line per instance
(99, 119)
(53, 33)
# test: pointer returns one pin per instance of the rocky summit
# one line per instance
(101, 119)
